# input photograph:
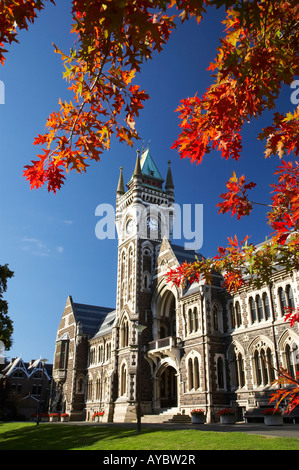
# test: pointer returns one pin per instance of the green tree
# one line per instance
(6, 324)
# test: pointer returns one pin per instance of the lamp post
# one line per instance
(43, 361)
(140, 329)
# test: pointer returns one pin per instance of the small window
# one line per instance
(282, 300)
(123, 380)
(215, 318)
(259, 304)
(252, 310)
(193, 374)
(238, 314)
(266, 306)
(124, 333)
(220, 372)
(289, 296)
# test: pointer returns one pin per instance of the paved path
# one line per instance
(286, 430)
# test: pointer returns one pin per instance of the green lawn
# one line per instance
(47, 436)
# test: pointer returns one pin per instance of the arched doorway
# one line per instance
(165, 315)
(166, 387)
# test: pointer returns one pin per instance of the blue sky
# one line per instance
(49, 240)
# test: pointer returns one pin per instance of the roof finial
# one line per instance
(137, 171)
(169, 181)
(120, 188)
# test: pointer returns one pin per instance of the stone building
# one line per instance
(201, 347)
(24, 388)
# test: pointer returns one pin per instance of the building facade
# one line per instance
(24, 388)
(200, 348)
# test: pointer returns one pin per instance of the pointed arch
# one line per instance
(166, 388)
(217, 316)
(123, 378)
(164, 305)
(192, 364)
(288, 345)
(236, 363)
(124, 330)
(262, 351)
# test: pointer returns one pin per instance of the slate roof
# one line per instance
(28, 368)
(107, 324)
(90, 317)
(16, 363)
(183, 255)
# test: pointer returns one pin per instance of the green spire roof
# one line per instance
(148, 166)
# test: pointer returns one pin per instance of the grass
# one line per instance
(29, 436)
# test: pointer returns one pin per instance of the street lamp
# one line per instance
(43, 361)
(140, 329)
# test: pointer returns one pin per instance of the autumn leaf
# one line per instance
(236, 200)
(16, 14)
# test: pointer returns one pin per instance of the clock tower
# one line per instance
(144, 214)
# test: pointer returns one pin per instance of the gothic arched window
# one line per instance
(252, 310)
(196, 373)
(124, 333)
(291, 362)
(196, 319)
(282, 300)
(257, 367)
(193, 373)
(147, 259)
(100, 353)
(266, 306)
(190, 374)
(123, 379)
(289, 296)
(236, 365)
(238, 314)
(220, 372)
(98, 389)
(89, 389)
(259, 306)
(215, 318)
(232, 316)
(263, 365)
(190, 321)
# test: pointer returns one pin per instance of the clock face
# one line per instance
(152, 224)
(129, 226)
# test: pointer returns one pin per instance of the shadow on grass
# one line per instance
(24, 436)
(56, 437)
